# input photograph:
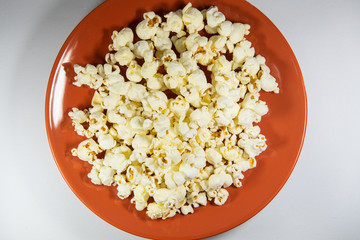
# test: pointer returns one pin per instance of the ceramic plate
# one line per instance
(284, 125)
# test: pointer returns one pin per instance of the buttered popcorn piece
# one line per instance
(106, 175)
(87, 150)
(198, 80)
(213, 17)
(88, 76)
(171, 122)
(148, 27)
(201, 117)
(162, 125)
(124, 56)
(252, 146)
(143, 48)
(173, 22)
(192, 18)
(94, 176)
(133, 73)
(121, 39)
(141, 141)
(116, 161)
(106, 141)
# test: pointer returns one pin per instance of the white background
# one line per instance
(321, 200)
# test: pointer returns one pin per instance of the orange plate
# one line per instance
(284, 125)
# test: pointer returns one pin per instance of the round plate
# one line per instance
(284, 126)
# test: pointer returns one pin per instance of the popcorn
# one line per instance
(238, 30)
(106, 175)
(78, 116)
(168, 55)
(155, 210)
(192, 95)
(231, 110)
(239, 54)
(217, 181)
(235, 171)
(221, 197)
(120, 88)
(162, 43)
(259, 107)
(185, 131)
(116, 161)
(221, 65)
(213, 156)
(140, 197)
(246, 45)
(86, 150)
(136, 92)
(189, 63)
(169, 181)
(231, 153)
(148, 69)
(155, 101)
(200, 161)
(213, 17)
(138, 155)
(133, 175)
(197, 79)
(175, 69)
(124, 190)
(96, 100)
(225, 28)
(162, 125)
(162, 195)
(173, 22)
(267, 82)
(187, 209)
(124, 132)
(158, 127)
(106, 141)
(252, 146)
(194, 41)
(179, 106)
(121, 39)
(94, 176)
(141, 141)
(133, 73)
(252, 131)
(142, 49)
(179, 43)
(171, 82)
(221, 118)
(192, 18)
(246, 117)
(218, 42)
(87, 76)
(110, 101)
(124, 56)
(155, 82)
(137, 123)
(201, 117)
(189, 171)
(162, 33)
(237, 93)
(128, 109)
(175, 179)
(147, 28)
(251, 66)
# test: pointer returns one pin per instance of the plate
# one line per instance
(284, 125)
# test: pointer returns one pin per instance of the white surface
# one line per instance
(320, 200)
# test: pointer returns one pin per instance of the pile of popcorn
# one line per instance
(171, 155)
